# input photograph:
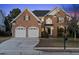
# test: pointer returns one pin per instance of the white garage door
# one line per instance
(33, 32)
(20, 32)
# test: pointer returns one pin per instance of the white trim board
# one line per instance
(56, 10)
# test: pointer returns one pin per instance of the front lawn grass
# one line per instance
(58, 42)
(4, 38)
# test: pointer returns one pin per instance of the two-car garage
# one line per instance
(23, 32)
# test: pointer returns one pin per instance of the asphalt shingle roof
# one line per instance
(40, 13)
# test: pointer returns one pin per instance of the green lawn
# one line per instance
(57, 42)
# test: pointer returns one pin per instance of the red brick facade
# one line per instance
(32, 22)
(55, 21)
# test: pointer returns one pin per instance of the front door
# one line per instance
(49, 31)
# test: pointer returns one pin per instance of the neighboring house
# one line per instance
(2, 19)
(56, 20)
(26, 24)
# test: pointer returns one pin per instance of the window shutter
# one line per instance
(57, 19)
(29, 18)
(24, 17)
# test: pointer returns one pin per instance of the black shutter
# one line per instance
(24, 17)
(29, 17)
(57, 19)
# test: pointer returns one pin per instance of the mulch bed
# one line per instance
(47, 42)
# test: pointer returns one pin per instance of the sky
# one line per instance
(6, 8)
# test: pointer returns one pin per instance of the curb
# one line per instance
(60, 48)
(47, 48)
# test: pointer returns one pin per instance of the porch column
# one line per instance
(51, 30)
(13, 30)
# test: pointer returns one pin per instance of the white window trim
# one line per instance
(26, 17)
(61, 26)
(61, 19)
(49, 21)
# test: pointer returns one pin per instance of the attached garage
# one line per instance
(20, 32)
(26, 24)
(33, 32)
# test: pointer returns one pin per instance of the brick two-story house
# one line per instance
(55, 20)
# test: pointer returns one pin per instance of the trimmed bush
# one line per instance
(44, 34)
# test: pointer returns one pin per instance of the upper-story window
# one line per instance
(61, 26)
(61, 19)
(26, 18)
(49, 21)
(42, 19)
(69, 18)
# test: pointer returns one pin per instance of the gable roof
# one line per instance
(55, 11)
(22, 13)
(40, 13)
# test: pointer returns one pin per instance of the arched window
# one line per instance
(61, 27)
(61, 19)
(49, 21)
(69, 18)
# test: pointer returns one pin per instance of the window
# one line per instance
(26, 18)
(33, 28)
(69, 18)
(49, 21)
(42, 19)
(61, 19)
(78, 23)
(20, 28)
(61, 27)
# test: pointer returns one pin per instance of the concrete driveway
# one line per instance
(16, 46)
(25, 46)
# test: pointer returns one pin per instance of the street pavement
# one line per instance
(25, 46)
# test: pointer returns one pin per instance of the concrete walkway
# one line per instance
(25, 46)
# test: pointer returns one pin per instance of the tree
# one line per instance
(72, 28)
(75, 7)
(13, 13)
(6, 22)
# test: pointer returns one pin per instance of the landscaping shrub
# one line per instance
(44, 34)
(2, 33)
